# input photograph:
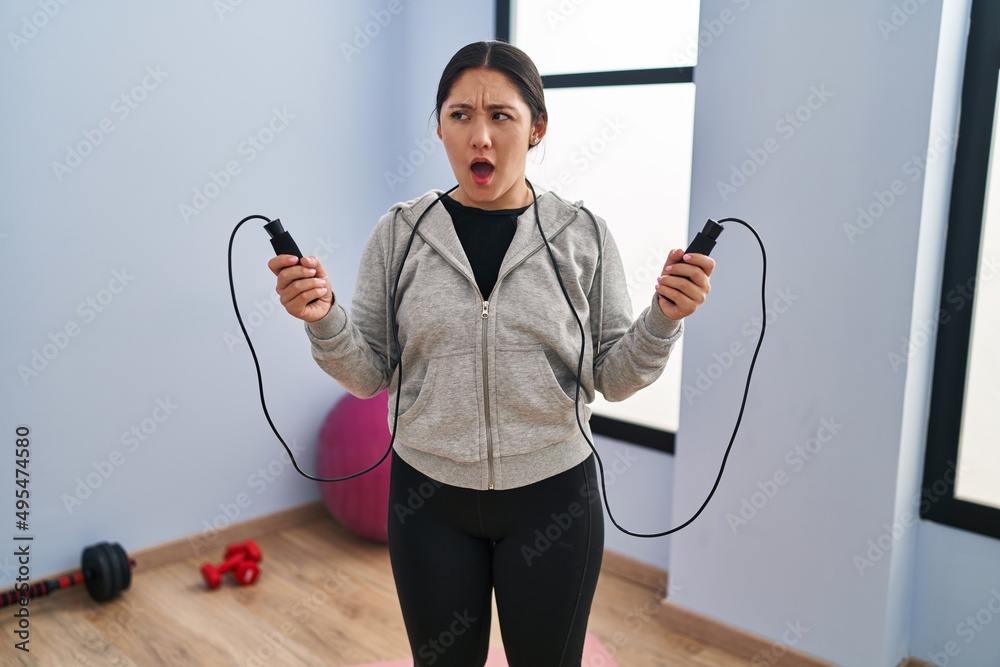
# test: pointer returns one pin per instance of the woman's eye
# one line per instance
(457, 115)
(501, 116)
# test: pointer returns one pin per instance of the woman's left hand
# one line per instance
(683, 285)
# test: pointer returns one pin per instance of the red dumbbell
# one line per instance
(240, 558)
(246, 572)
(249, 548)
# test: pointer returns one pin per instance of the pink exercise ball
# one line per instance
(354, 436)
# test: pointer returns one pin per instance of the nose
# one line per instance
(481, 134)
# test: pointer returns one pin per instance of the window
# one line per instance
(619, 88)
(962, 471)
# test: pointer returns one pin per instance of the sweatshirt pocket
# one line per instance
(533, 411)
(444, 418)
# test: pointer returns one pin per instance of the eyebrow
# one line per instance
(491, 107)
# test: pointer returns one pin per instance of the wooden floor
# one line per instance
(324, 597)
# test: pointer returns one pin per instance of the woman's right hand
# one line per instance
(303, 286)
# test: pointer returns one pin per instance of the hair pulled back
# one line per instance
(502, 57)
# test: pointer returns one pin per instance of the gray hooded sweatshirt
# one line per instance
(487, 397)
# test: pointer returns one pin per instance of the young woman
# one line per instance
(469, 293)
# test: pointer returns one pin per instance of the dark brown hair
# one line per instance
(505, 58)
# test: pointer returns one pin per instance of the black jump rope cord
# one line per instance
(260, 381)
(395, 332)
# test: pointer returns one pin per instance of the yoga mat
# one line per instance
(594, 655)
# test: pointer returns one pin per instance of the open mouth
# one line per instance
(482, 172)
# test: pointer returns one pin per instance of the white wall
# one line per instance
(161, 335)
(842, 302)
(956, 598)
(935, 593)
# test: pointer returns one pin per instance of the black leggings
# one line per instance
(540, 546)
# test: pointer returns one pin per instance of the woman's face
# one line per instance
(486, 129)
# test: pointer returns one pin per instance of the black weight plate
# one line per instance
(113, 572)
(105, 576)
(124, 568)
(95, 571)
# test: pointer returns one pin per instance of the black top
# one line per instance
(485, 237)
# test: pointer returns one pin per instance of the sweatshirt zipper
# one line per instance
(486, 379)
(486, 372)
(486, 395)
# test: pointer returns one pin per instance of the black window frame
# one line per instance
(645, 436)
(961, 264)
